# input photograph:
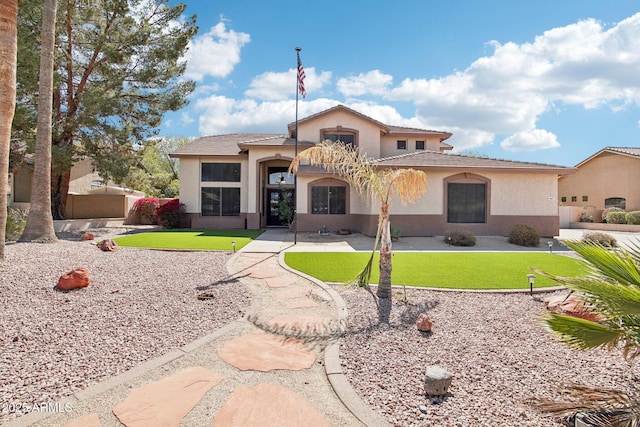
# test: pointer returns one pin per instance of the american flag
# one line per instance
(301, 77)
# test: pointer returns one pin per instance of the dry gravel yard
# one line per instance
(140, 304)
(492, 344)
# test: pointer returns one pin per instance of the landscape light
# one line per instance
(532, 279)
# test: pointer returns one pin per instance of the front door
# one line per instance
(279, 206)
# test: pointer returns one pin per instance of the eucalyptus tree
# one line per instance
(8, 54)
(374, 182)
(118, 69)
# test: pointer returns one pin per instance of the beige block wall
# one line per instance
(608, 175)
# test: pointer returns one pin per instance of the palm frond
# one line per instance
(408, 184)
(580, 333)
(607, 405)
(618, 265)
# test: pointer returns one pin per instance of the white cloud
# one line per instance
(273, 86)
(535, 139)
(373, 83)
(214, 53)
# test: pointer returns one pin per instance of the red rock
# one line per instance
(571, 305)
(108, 245)
(424, 323)
(78, 278)
(87, 236)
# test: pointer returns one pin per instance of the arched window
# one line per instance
(467, 196)
(615, 202)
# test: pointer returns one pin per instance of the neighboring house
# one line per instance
(609, 178)
(88, 197)
(239, 181)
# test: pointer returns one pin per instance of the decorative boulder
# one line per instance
(78, 278)
(87, 236)
(436, 381)
(572, 305)
(424, 323)
(108, 245)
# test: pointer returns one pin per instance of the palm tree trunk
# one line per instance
(384, 285)
(40, 221)
(8, 60)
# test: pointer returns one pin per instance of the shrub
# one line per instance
(460, 238)
(146, 207)
(395, 233)
(170, 214)
(585, 217)
(606, 211)
(600, 238)
(524, 235)
(16, 221)
(633, 217)
(616, 217)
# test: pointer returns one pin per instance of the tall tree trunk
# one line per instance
(384, 285)
(59, 191)
(40, 221)
(8, 60)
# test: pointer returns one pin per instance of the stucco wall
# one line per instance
(389, 144)
(368, 133)
(605, 176)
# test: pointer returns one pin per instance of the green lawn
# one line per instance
(471, 270)
(217, 240)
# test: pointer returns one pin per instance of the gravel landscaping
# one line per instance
(493, 345)
(139, 305)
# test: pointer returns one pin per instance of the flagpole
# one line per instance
(295, 176)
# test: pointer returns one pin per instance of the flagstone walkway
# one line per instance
(241, 375)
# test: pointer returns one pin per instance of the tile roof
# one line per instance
(438, 160)
(627, 151)
(228, 145)
(405, 130)
(447, 160)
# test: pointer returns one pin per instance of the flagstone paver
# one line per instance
(268, 405)
(263, 273)
(166, 402)
(280, 281)
(266, 352)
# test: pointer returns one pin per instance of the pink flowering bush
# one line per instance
(170, 214)
(146, 207)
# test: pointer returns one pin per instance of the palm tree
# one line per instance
(8, 60)
(612, 291)
(372, 182)
(40, 220)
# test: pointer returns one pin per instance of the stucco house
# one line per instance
(609, 178)
(240, 180)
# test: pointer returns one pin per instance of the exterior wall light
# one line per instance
(550, 244)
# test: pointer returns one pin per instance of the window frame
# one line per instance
(222, 206)
(467, 178)
(336, 205)
(424, 147)
(340, 131)
(401, 144)
(218, 172)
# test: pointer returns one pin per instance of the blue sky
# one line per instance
(546, 81)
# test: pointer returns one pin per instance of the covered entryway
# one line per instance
(279, 197)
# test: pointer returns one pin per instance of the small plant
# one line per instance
(616, 217)
(633, 217)
(600, 238)
(16, 221)
(146, 207)
(585, 217)
(395, 234)
(460, 238)
(606, 211)
(170, 214)
(524, 235)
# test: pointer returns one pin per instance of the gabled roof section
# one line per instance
(625, 151)
(226, 145)
(408, 131)
(292, 126)
(435, 159)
